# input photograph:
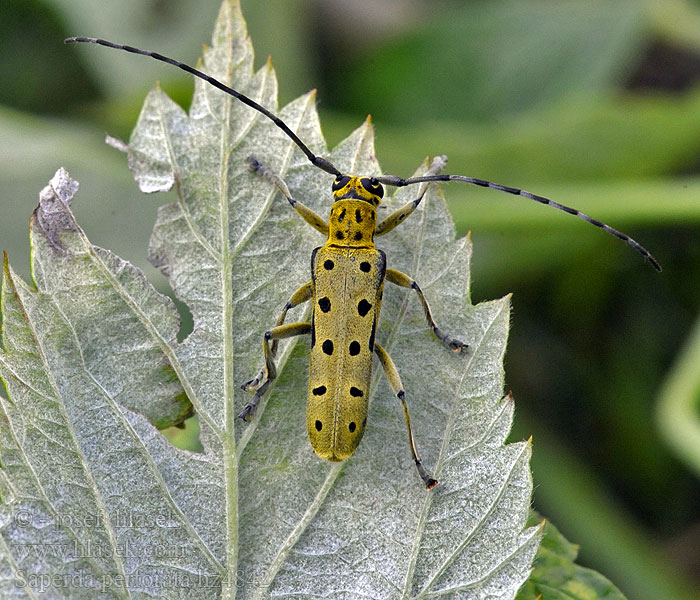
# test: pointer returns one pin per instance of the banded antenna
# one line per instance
(392, 180)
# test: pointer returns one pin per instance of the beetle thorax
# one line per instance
(352, 224)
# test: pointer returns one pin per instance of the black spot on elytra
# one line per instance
(352, 426)
(358, 236)
(354, 348)
(341, 216)
(319, 425)
(358, 215)
(319, 391)
(365, 267)
(328, 265)
(363, 307)
(324, 304)
(339, 235)
(328, 347)
(356, 392)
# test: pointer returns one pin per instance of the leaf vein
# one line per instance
(176, 174)
(465, 586)
(141, 447)
(77, 450)
(452, 557)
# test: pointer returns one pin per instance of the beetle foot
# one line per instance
(452, 343)
(253, 384)
(248, 411)
(455, 345)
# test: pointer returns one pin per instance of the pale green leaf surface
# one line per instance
(257, 514)
(89, 493)
(92, 287)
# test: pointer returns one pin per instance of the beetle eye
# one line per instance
(372, 186)
(340, 182)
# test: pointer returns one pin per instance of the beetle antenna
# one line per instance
(328, 167)
(400, 182)
(318, 161)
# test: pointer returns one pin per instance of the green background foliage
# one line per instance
(593, 104)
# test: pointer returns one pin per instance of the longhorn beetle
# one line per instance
(347, 280)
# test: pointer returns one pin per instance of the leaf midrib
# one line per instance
(327, 485)
(229, 587)
(291, 344)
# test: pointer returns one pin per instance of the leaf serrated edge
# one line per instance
(7, 273)
(533, 532)
(425, 592)
(164, 344)
(504, 306)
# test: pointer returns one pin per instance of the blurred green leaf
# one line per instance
(656, 202)
(677, 21)
(605, 532)
(489, 59)
(555, 575)
(35, 66)
(678, 410)
(621, 137)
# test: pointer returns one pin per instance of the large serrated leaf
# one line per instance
(94, 498)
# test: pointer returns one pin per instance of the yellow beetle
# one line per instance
(347, 281)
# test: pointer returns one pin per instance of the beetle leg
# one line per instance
(313, 219)
(403, 280)
(270, 372)
(395, 382)
(398, 216)
(303, 294)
